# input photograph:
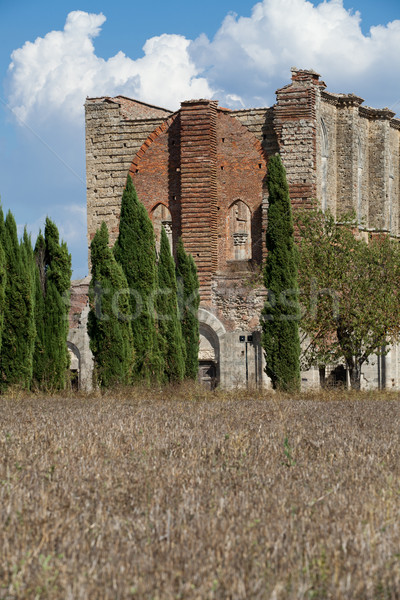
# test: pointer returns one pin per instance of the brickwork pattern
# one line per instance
(199, 188)
(197, 164)
(241, 173)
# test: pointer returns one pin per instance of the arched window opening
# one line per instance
(324, 161)
(240, 231)
(161, 217)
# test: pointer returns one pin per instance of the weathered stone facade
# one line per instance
(81, 359)
(201, 172)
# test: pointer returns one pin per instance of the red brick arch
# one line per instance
(148, 142)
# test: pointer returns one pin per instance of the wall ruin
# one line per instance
(202, 169)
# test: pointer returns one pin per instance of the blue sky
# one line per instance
(238, 52)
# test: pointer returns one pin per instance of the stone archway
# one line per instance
(75, 365)
(210, 330)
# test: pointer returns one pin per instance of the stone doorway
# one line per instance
(208, 374)
(208, 357)
(74, 373)
(74, 366)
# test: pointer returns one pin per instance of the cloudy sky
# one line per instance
(54, 54)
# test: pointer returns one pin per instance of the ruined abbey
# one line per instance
(200, 172)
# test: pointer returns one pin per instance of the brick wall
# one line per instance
(155, 171)
(241, 173)
(198, 163)
(199, 219)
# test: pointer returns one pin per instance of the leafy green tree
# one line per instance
(169, 324)
(136, 252)
(109, 322)
(52, 282)
(280, 315)
(350, 292)
(19, 328)
(188, 300)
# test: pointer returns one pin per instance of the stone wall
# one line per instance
(327, 153)
(362, 161)
(116, 128)
(78, 339)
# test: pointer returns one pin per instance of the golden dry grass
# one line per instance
(183, 494)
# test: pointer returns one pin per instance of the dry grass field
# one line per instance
(187, 494)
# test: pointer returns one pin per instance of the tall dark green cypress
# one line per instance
(109, 325)
(58, 283)
(136, 252)
(3, 282)
(53, 281)
(188, 300)
(29, 264)
(39, 357)
(280, 315)
(167, 313)
(3, 275)
(19, 327)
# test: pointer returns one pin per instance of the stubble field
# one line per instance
(184, 494)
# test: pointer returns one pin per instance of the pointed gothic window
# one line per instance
(161, 217)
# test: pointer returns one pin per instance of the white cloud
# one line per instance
(243, 65)
(248, 58)
(55, 73)
(251, 56)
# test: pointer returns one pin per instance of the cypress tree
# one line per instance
(188, 300)
(136, 252)
(109, 325)
(19, 327)
(280, 315)
(39, 357)
(52, 284)
(3, 275)
(58, 283)
(29, 264)
(167, 311)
